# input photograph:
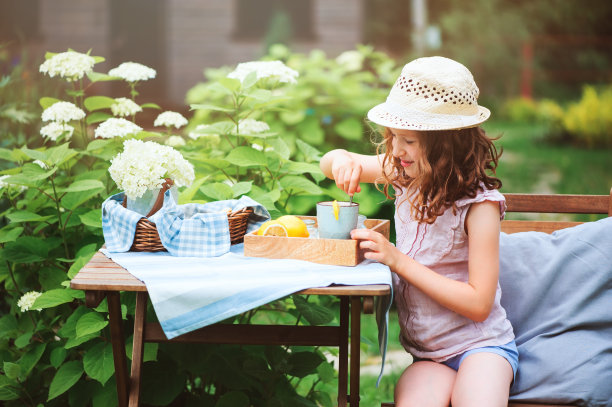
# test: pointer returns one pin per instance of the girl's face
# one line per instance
(407, 148)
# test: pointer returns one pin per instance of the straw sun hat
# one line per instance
(432, 93)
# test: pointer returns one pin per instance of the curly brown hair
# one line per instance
(455, 164)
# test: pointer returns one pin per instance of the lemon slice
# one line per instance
(275, 229)
(336, 209)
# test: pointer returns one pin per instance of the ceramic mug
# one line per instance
(331, 228)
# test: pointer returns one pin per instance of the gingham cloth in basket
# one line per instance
(190, 230)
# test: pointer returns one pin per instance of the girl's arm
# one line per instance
(473, 299)
(349, 169)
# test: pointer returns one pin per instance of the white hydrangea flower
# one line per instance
(265, 69)
(351, 60)
(5, 185)
(125, 107)
(69, 65)
(169, 119)
(27, 300)
(175, 141)
(252, 126)
(116, 127)
(55, 130)
(62, 112)
(133, 72)
(41, 164)
(259, 147)
(144, 166)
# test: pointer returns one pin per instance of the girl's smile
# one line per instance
(406, 163)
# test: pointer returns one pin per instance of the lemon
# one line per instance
(295, 226)
(265, 225)
(336, 209)
(275, 229)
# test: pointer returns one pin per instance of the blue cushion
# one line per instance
(557, 291)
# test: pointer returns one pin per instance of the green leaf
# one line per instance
(200, 106)
(246, 156)
(249, 80)
(30, 359)
(230, 84)
(326, 372)
(84, 185)
(295, 167)
(36, 154)
(98, 144)
(30, 175)
(12, 370)
(233, 399)
(97, 117)
(57, 357)
(60, 154)
(217, 191)
(8, 389)
(313, 313)
(90, 323)
(304, 363)
(53, 298)
(279, 147)
(67, 375)
(92, 218)
(350, 129)
(98, 102)
(74, 342)
(98, 362)
(262, 95)
(266, 198)
(310, 131)
(310, 153)
(100, 77)
(241, 188)
(222, 127)
(73, 200)
(47, 102)
(26, 216)
(10, 235)
(150, 106)
(187, 194)
(8, 326)
(297, 184)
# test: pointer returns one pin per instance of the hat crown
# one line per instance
(436, 85)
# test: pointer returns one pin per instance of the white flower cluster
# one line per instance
(125, 107)
(27, 300)
(62, 112)
(175, 141)
(133, 72)
(144, 166)
(169, 119)
(5, 185)
(252, 126)
(55, 130)
(115, 127)
(69, 65)
(265, 69)
(351, 60)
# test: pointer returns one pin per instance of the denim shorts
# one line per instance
(507, 351)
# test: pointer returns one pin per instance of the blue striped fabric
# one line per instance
(191, 230)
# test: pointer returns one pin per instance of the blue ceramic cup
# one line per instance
(331, 228)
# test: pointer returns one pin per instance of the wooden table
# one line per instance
(102, 277)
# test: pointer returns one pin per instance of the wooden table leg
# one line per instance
(140, 315)
(118, 341)
(343, 352)
(355, 349)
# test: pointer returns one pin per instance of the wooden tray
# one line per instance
(339, 252)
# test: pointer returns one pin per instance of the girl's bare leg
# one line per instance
(483, 379)
(425, 384)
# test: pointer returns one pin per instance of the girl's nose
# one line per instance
(397, 151)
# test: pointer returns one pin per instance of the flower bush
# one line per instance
(257, 130)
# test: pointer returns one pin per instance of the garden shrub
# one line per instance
(57, 352)
(588, 122)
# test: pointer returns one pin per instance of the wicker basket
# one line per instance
(146, 238)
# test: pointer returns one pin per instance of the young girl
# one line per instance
(448, 211)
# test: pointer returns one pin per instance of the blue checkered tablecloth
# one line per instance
(190, 230)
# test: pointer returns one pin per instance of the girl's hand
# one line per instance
(380, 249)
(346, 172)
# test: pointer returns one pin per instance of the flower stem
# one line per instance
(59, 217)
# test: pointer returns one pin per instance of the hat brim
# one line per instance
(389, 115)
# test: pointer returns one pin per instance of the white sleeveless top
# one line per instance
(443, 247)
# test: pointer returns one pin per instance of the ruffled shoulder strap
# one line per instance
(486, 195)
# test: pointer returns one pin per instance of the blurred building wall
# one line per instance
(196, 34)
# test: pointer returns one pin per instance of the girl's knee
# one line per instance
(425, 384)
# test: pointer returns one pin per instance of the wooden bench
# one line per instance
(545, 204)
